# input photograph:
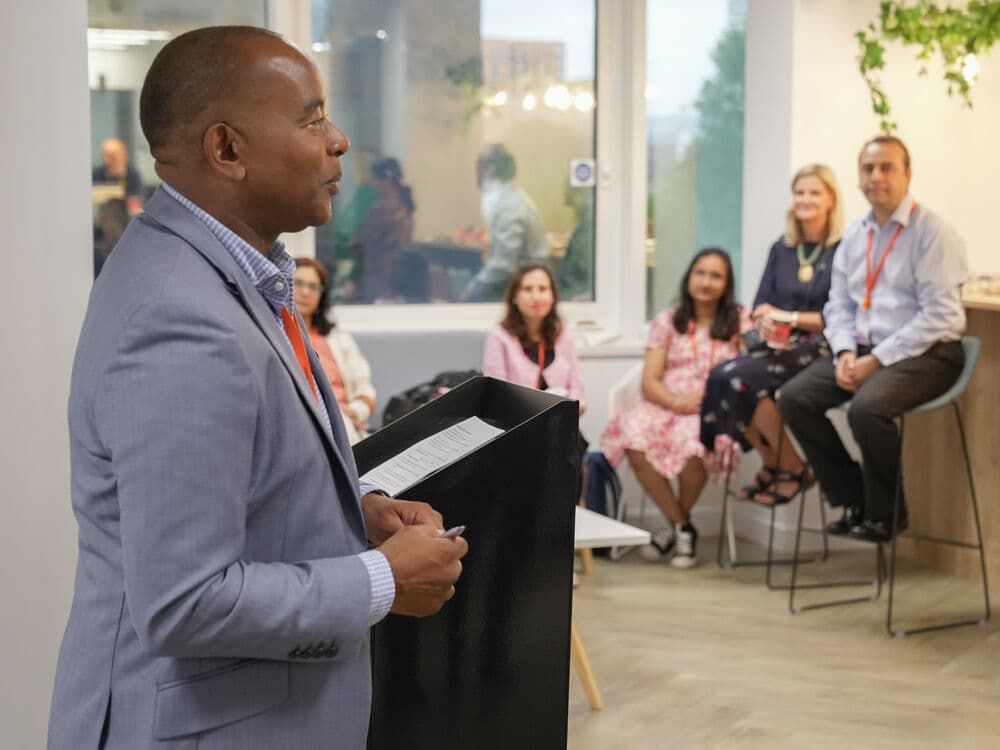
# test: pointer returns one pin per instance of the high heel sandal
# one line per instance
(762, 481)
(770, 497)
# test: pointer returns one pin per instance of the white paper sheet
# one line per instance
(421, 459)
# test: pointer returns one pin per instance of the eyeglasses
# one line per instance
(307, 286)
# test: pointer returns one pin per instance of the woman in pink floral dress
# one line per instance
(660, 435)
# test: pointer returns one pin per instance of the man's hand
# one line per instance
(687, 403)
(425, 568)
(845, 371)
(864, 368)
(385, 516)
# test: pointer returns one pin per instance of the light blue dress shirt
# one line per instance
(917, 300)
(272, 276)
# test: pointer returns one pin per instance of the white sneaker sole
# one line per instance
(679, 561)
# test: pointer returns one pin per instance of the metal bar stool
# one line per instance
(794, 586)
(972, 347)
(769, 561)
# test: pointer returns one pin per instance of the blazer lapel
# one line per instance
(168, 213)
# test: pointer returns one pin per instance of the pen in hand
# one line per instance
(453, 532)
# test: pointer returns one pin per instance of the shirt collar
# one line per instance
(902, 214)
(270, 274)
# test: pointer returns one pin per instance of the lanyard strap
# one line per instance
(299, 347)
(871, 278)
(694, 348)
(541, 362)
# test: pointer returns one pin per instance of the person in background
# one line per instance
(660, 434)
(894, 321)
(343, 363)
(231, 562)
(385, 232)
(739, 396)
(516, 233)
(576, 272)
(531, 346)
(333, 240)
(115, 169)
(112, 218)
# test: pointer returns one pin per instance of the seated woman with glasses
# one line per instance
(659, 434)
(346, 368)
(787, 311)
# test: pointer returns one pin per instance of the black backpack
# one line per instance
(403, 403)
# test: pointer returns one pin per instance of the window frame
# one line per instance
(617, 314)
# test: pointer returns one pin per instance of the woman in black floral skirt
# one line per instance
(739, 395)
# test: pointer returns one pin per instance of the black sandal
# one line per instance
(803, 481)
(760, 483)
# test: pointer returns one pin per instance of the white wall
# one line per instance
(954, 149)
(44, 209)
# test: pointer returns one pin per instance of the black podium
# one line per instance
(491, 670)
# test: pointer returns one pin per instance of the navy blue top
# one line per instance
(780, 285)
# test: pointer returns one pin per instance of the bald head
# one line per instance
(194, 76)
(114, 154)
(236, 119)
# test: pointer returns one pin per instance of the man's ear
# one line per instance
(223, 148)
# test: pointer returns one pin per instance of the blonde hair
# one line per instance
(834, 221)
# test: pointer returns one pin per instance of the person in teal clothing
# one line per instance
(333, 249)
(576, 272)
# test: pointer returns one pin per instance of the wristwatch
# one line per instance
(795, 319)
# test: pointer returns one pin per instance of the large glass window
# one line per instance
(472, 144)
(694, 104)
(122, 40)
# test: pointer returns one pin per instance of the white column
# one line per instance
(47, 252)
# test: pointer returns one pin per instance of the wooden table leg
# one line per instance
(586, 554)
(582, 666)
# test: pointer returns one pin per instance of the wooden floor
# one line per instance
(709, 658)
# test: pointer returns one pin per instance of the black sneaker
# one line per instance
(687, 541)
(661, 544)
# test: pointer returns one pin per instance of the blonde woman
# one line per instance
(739, 397)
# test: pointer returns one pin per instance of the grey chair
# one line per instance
(972, 347)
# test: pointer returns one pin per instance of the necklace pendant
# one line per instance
(805, 273)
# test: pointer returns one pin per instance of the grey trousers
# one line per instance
(886, 395)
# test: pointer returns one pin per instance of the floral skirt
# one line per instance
(668, 441)
(735, 387)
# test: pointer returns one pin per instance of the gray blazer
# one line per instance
(219, 599)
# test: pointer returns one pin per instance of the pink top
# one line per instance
(505, 359)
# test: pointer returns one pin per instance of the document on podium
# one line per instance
(422, 459)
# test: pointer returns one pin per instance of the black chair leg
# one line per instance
(897, 506)
(769, 562)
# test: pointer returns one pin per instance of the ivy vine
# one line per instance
(952, 33)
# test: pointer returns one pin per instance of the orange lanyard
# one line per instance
(694, 348)
(299, 347)
(541, 362)
(871, 278)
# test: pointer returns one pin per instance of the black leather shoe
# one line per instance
(877, 531)
(851, 518)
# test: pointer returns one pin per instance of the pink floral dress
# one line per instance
(667, 439)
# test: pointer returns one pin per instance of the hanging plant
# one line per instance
(957, 36)
(467, 77)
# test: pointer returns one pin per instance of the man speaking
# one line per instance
(224, 586)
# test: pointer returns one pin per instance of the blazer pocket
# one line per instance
(218, 697)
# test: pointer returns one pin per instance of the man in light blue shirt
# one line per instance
(894, 320)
